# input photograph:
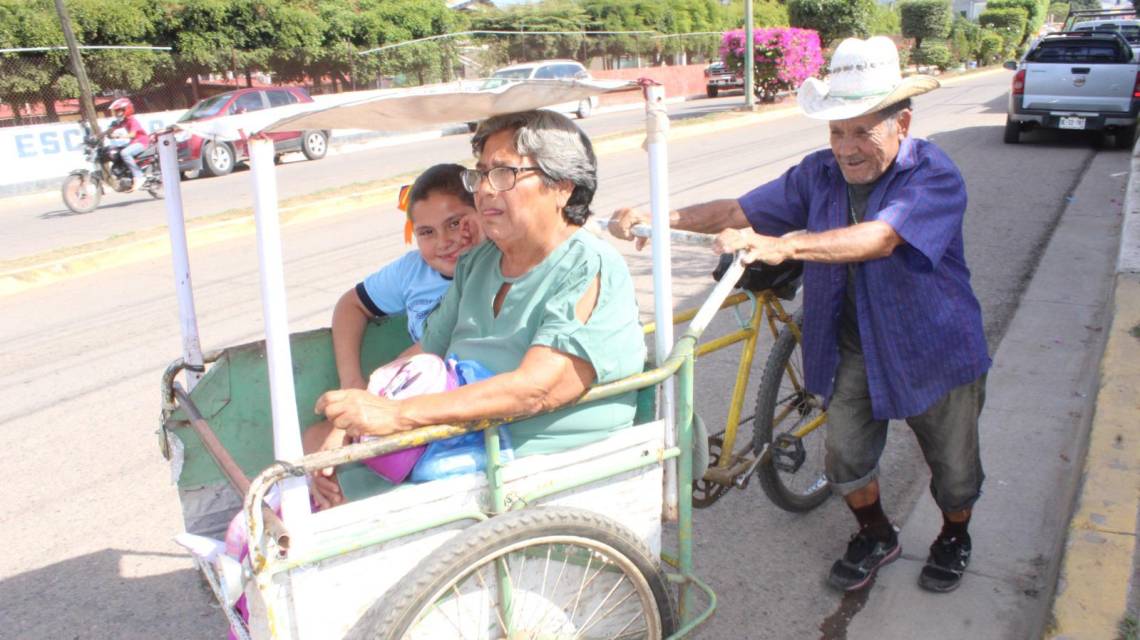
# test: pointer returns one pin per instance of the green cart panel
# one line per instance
(233, 396)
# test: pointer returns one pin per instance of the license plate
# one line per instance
(1072, 122)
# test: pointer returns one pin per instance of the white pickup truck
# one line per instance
(1076, 80)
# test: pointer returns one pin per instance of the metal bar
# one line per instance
(180, 258)
(226, 463)
(740, 388)
(588, 473)
(687, 314)
(494, 470)
(719, 293)
(84, 47)
(356, 543)
(283, 401)
(685, 481)
(698, 620)
(749, 58)
(724, 341)
(656, 124)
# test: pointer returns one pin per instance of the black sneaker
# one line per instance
(948, 560)
(863, 558)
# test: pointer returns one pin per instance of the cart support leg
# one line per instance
(283, 401)
(179, 255)
(656, 124)
(685, 479)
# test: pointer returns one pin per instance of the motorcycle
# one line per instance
(84, 188)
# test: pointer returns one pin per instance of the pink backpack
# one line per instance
(405, 378)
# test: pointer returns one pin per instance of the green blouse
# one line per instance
(539, 310)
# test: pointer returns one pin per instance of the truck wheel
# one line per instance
(1012, 131)
(712, 91)
(1125, 137)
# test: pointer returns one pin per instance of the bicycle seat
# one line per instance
(783, 279)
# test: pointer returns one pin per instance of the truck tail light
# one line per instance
(1136, 87)
(1019, 82)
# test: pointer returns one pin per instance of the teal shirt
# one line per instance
(539, 310)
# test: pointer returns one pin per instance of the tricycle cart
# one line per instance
(566, 545)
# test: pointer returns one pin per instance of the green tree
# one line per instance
(990, 47)
(925, 19)
(1084, 5)
(933, 53)
(1034, 14)
(1009, 24)
(965, 36)
(885, 21)
(833, 19)
(1058, 10)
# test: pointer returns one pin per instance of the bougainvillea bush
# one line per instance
(785, 57)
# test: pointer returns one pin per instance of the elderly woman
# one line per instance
(545, 304)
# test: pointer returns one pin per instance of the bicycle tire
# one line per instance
(773, 396)
(404, 614)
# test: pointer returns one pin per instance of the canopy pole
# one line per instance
(283, 400)
(657, 124)
(180, 257)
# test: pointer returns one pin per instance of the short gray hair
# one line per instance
(558, 147)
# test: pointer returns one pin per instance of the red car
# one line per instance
(217, 158)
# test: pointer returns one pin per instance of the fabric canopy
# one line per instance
(408, 110)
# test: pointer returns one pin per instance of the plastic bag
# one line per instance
(466, 453)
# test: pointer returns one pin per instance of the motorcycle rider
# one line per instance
(129, 136)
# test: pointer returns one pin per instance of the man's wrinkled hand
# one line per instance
(622, 222)
(756, 247)
(359, 413)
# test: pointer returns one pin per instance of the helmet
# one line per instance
(124, 105)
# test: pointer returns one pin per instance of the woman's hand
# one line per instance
(766, 249)
(326, 488)
(359, 413)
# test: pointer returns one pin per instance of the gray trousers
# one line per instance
(947, 433)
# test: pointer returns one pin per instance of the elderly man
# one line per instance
(892, 329)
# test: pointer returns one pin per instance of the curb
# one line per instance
(1093, 588)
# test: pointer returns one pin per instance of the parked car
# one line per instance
(1078, 80)
(545, 70)
(217, 158)
(718, 77)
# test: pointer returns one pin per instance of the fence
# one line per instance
(37, 85)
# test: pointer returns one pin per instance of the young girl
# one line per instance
(439, 218)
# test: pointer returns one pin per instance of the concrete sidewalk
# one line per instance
(1041, 401)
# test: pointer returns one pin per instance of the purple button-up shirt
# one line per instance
(919, 321)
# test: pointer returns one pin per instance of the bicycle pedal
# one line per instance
(788, 453)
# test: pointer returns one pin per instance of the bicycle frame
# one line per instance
(766, 310)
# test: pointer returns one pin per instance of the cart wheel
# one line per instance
(793, 477)
(570, 573)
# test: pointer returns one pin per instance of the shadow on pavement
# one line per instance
(89, 597)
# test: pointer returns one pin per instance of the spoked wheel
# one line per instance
(550, 573)
(707, 492)
(793, 477)
(80, 193)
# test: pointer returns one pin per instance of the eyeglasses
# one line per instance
(500, 178)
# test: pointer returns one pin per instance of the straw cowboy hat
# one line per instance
(863, 78)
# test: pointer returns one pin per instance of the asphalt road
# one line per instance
(39, 222)
(89, 510)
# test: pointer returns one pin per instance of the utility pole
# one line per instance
(85, 101)
(749, 58)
